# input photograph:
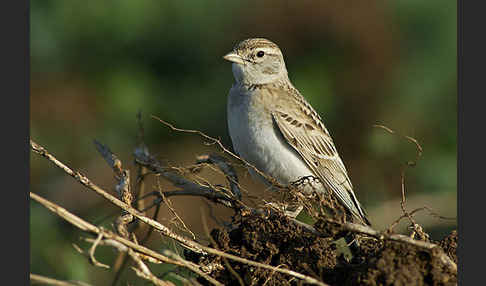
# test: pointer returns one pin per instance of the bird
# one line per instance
(275, 129)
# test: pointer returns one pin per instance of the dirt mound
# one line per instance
(449, 244)
(277, 241)
(404, 264)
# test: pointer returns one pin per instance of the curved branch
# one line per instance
(192, 245)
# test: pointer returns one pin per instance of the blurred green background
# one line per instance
(95, 64)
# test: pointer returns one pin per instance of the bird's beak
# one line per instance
(234, 58)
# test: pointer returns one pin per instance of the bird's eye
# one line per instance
(260, 54)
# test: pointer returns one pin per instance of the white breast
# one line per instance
(258, 141)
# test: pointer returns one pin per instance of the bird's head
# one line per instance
(257, 61)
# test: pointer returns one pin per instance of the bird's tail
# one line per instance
(361, 213)
(364, 216)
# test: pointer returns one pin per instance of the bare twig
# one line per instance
(92, 252)
(208, 194)
(188, 243)
(121, 243)
(38, 279)
(188, 188)
(87, 183)
(305, 278)
(192, 245)
(413, 212)
(88, 227)
(224, 149)
(168, 203)
(122, 258)
(230, 173)
(417, 228)
(411, 139)
(109, 157)
(122, 248)
(143, 271)
(172, 255)
(122, 175)
(153, 165)
(212, 193)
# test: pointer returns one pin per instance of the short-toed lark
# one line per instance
(276, 130)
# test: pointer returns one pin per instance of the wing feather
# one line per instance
(308, 136)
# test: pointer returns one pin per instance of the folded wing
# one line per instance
(303, 130)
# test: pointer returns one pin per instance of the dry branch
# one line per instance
(188, 188)
(121, 243)
(356, 228)
(38, 279)
(189, 244)
(122, 259)
(230, 198)
(417, 229)
(224, 149)
(87, 183)
(143, 271)
(228, 170)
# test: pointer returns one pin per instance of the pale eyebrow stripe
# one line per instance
(266, 50)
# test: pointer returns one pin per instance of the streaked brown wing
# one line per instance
(313, 142)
